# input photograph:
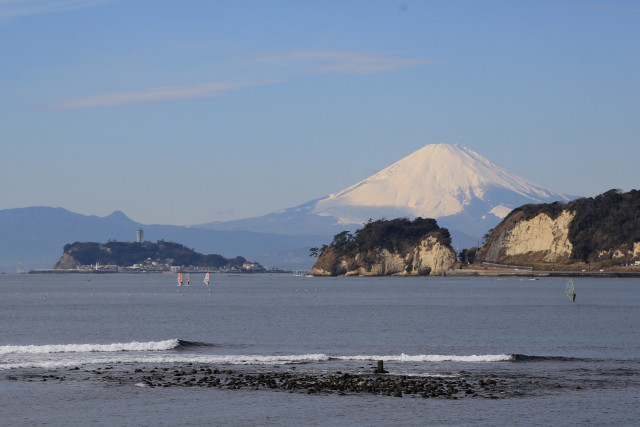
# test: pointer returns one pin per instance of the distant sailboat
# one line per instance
(180, 282)
(188, 279)
(570, 290)
(206, 279)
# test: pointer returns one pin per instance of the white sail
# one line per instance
(570, 290)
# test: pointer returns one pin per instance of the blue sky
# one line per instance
(185, 112)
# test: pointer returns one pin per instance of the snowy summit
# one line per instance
(439, 180)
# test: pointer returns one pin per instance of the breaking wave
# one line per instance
(91, 348)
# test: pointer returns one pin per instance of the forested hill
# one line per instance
(126, 254)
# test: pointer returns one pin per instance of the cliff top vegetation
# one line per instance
(396, 235)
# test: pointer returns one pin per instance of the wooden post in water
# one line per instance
(380, 369)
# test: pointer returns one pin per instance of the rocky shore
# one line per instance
(458, 386)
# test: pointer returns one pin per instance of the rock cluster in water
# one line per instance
(309, 383)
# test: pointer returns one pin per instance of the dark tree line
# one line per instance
(127, 253)
(468, 256)
(609, 220)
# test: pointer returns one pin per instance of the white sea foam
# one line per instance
(89, 348)
(37, 357)
(433, 358)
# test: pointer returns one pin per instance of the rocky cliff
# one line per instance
(604, 230)
(384, 248)
(66, 262)
(521, 240)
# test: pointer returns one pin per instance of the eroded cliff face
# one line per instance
(539, 239)
(428, 257)
(432, 257)
(67, 262)
(541, 234)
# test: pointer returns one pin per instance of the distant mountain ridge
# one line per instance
(33, 238)
(463, 190)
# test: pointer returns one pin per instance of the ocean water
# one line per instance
(74, 349)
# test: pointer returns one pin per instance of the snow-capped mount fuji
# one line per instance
(436, 181)
(460, 188)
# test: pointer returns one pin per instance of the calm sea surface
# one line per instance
(565, 363)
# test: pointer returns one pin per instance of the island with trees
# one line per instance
(400, 246)
(115, 256)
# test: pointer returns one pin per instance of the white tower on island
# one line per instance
(139, 235)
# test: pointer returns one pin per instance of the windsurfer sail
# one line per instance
(188, 279)
(570, 290)
(206, 279)
(180, 282)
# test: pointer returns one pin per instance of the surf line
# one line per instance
(90, 348)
